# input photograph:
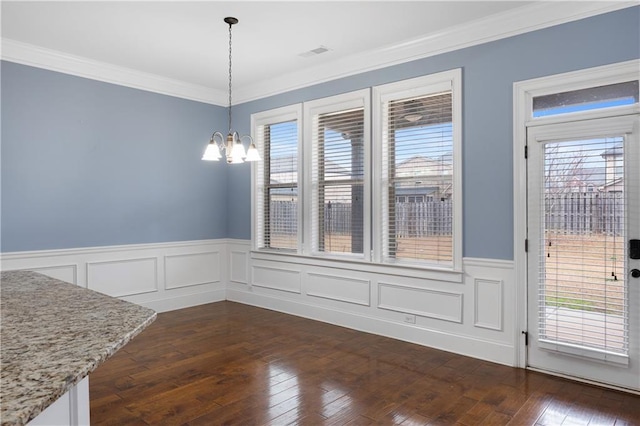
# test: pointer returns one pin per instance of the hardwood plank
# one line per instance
(476, 414)
(532, 409)
(555, 413)
(415, 420)
(456, 411)
(228, 363)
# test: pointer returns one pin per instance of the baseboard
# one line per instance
(460, 344)
(186, 301)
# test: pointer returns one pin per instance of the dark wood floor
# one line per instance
(227, 363)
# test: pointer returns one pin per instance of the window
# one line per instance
(341, 194)
(582, 297)
(590, 98)
(277, 194)
(338, 138)
(418, 140)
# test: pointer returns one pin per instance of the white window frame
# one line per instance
(274, 116)
(345, 101)
(434, 83)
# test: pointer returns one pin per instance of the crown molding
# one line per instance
(536, 16)
(513, 22)
(40, 57)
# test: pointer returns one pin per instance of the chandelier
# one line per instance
(233, 147)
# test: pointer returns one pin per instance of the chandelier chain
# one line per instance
(229, 78)
(232, 145)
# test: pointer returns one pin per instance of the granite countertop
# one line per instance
(52, 335)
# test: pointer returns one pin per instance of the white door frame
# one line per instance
(523, 94)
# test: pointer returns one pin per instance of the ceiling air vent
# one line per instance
(314, 52)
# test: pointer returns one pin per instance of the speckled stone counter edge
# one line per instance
(25, 296)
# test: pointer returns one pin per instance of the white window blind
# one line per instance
(338, 142)
(417, 168)
(582, 294)
(277, 192)
(339, 166)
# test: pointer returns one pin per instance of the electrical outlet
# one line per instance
(409, 318)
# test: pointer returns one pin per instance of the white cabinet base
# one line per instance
(71, 409)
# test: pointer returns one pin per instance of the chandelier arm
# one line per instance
(213, 138)
(247, 136)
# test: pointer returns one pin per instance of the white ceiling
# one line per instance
(187, 42)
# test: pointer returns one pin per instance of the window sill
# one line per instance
(404, 270)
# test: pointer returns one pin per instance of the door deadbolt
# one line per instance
(634, 249)
(635, 273)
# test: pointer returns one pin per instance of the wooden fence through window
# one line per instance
(573, 213)
(579, 213)
(424, 219)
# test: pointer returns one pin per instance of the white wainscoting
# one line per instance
(471, 317)
(186, 270)
(277, 278)
(471, 314)
(488, 304)
(164, 276)
(444, 305)
(238, 264)
(339, 287)
(123, 277)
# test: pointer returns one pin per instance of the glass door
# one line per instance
(583, 209)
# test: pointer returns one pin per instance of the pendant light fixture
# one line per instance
(233, 147)
(412, 111)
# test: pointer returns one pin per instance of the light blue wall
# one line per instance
(489, 71)
(86, 163)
